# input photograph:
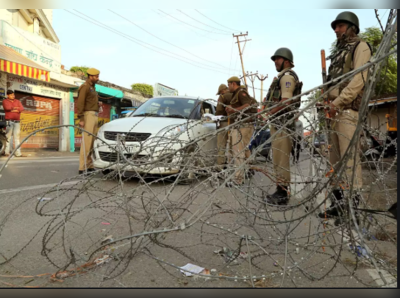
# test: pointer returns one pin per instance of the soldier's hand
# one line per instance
(332, 110)
(229, 110)
(82, 123)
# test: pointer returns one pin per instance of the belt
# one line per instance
(96, 112)
(16, 121)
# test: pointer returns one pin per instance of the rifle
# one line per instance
(323, 64)
(326, 100)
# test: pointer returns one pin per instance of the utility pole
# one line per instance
(262, 85)
(240, 51)
(252, 78)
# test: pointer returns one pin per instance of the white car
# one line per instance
(160, 137)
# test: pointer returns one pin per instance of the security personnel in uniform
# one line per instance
(88, 109)
(345, 101)
(282, 88)
(222, 138)
(242, 105)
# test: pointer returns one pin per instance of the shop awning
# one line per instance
(15, 63)
(108, 92)
(382, 101)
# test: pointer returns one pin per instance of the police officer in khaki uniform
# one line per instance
(282, 88)
(222, 138)
(88, 109)
(345, 101)
(242, 105)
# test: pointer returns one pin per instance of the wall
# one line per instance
(49, 15)
(6, 15)
(38, 49)
(19, 21)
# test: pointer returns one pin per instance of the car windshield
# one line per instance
(166, 107)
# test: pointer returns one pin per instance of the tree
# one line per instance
(145, 89)
(387, 83)
(79, 69)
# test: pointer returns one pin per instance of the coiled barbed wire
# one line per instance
(113, 229)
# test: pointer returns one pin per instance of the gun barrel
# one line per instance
(323, 60)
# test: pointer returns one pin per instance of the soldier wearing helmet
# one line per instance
(87, 109)
(284, 86)
(222, 138)
(345, 100)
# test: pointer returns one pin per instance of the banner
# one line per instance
(39, 112)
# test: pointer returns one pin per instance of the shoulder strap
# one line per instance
(356, 45)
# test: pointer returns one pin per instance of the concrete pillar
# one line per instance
(71, 121)
(36, 26)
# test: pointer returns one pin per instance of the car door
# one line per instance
(208, 144)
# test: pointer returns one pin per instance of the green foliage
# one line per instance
(387, 83)
(143, 88)
(77, 69)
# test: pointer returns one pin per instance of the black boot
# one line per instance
(336, 207)
(279, 197)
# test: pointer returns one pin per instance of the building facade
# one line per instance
(30, 57)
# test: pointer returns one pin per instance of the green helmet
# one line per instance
(347, 17)
(284, 53)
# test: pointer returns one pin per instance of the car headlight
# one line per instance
(170, 132)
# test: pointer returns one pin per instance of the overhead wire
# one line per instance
(163, 40)
(216, 22)
(204, 35)
(191, 24)
(202, 22)
(142, 43)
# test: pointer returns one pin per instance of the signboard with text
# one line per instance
(39, 112)
(36, 48)
(162, 90)
(18, 83)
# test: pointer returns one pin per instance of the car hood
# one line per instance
(151, 125)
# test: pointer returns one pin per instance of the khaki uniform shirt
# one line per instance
(242, 99)
(88, 99)
(223, 101)
(362, 55)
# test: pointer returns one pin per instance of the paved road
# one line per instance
(33, 171)
(27, 178)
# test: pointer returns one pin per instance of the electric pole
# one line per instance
(240, 51)
(262, 85)
(252, 78)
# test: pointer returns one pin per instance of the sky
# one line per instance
(192, 49)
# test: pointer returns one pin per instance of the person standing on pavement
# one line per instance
(13, 109)
(297, 138)
(284, 86)
(222, 138)
(242, 105)
(345, 101)
(88, 110)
